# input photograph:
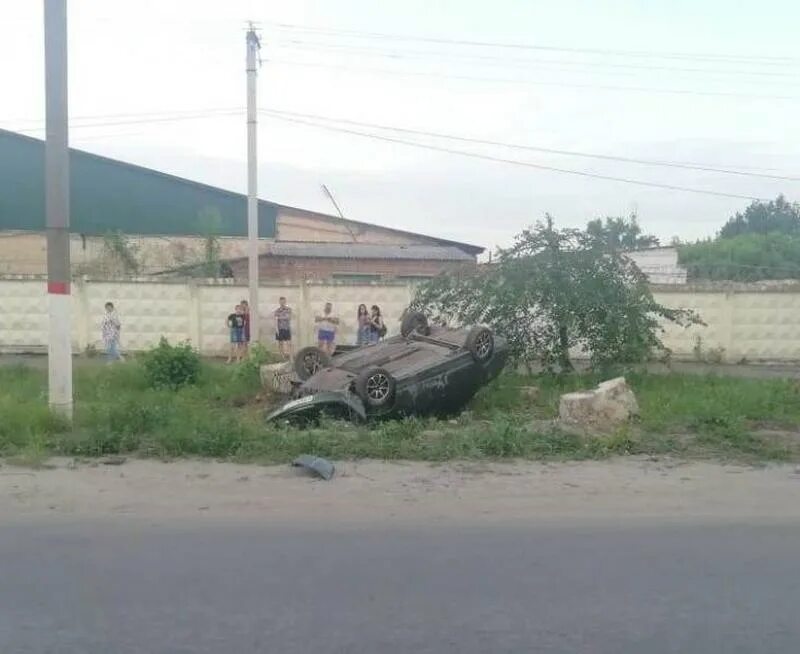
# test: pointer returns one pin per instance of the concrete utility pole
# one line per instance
(253, 46)
(56, 150)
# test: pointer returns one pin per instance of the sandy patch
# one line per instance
(618, 490)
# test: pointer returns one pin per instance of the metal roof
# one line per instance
(364, 251)
(109, 195)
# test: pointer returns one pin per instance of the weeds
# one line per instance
(117, 411)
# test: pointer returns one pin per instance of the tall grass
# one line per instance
(116, 412)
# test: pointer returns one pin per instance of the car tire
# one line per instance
(375, 387)
(309, 361)
(414, 321)
(480, 343)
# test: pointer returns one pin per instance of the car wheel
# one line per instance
(480, 343)
(375, 387)
(309, 361)
(415, 321)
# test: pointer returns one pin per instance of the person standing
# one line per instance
(327, 324)
(235, 324)
(362, 322)
(110, 330)
(377, 328)
(283, 328)
(246, 329)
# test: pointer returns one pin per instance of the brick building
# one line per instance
(167, 220)
(363, 262)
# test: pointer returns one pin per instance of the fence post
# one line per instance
(83, 320)
(304, 319)
(729, 343)
(195, 317)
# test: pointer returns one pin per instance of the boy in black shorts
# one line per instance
(283, 328)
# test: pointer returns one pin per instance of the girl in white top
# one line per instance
(327, 324)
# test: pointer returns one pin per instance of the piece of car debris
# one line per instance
(316, 465)
(113, 460)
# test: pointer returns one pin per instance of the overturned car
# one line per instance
(425, 370)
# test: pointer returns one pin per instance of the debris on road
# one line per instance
(609, 405)
(315, 464)
(113, 460)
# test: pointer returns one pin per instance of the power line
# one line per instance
(138, 114)
(299, 44)
(771, 60)
(516, 162)
(136, 122)
(530, 82)
(516, 146)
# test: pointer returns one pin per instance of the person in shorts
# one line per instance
(283, 328)
(327, 324)
(235, 324)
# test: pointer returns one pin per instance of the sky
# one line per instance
(705, 82)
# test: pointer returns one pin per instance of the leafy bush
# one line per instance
(171, 366)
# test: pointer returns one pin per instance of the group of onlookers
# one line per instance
(370, 327)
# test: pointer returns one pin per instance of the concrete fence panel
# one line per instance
(742, 322)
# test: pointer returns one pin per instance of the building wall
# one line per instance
(743, 322)
(291, 268)
(660, 265)
(26, 252)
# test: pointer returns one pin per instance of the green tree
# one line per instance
(743, 258)
(778, 216)
(621, 233)
(552, 291)
(761, 243)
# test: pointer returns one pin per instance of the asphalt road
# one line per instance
(106, 588)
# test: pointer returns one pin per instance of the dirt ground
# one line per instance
(396, 493)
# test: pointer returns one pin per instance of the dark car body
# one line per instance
(436, 373)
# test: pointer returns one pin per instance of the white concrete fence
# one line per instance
(743, 322)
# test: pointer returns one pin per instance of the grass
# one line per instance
(222, 417)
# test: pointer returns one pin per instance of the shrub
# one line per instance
(171, 366)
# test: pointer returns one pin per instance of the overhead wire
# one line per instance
(518, 146)
(516, 162)
(532, 82)
(302, 45)
(165, 119)
(136, 114)
(764, 59)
